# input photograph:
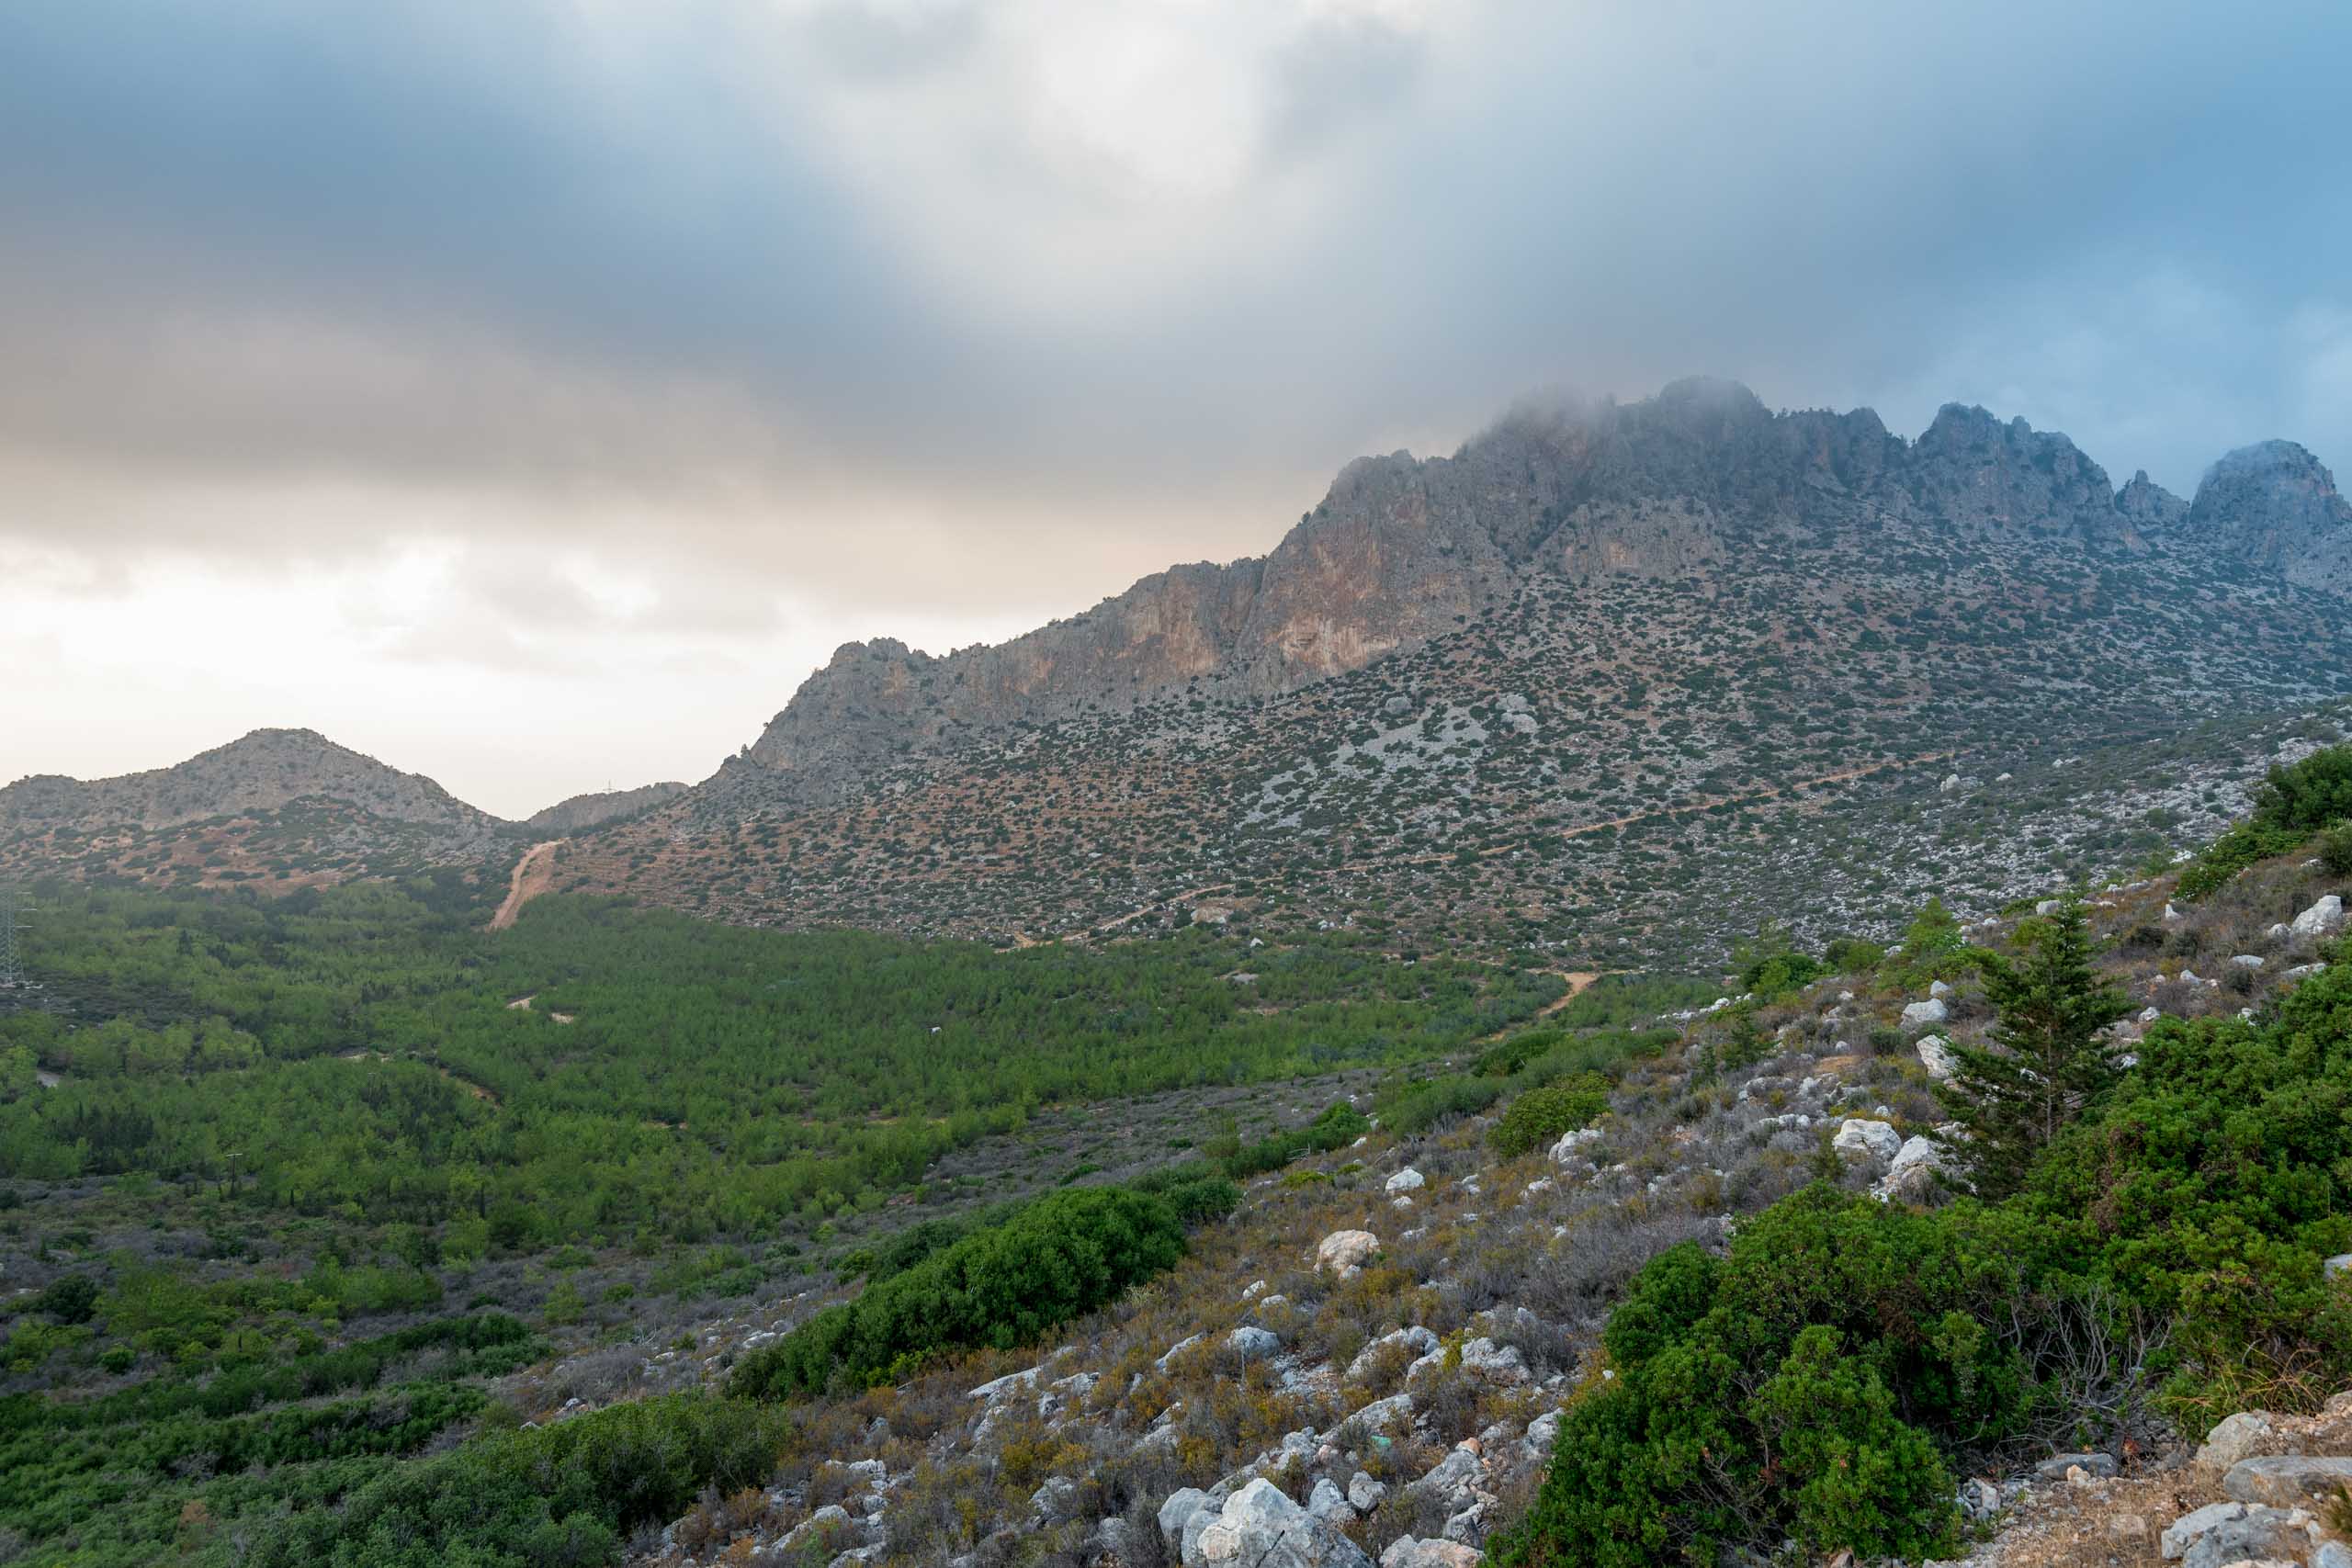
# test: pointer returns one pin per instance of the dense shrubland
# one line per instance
(1531, 1061)
(553, 1496)
(164, 1463)
(290, 1131)
(354, 1048)
(1824, 1379)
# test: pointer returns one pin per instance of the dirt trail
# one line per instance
(534, 874)
(1579, 981)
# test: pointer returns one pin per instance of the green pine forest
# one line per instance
(346, 1094)
(360, 1051)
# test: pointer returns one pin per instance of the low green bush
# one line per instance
(2336, 851)
(1062, 1255)
(1770, 964)
(1197, 1193)
(566, 1494)
(1339, 1125)
(1796, 1389)
(1542, 1114)
(68, 1298)
(2295, 801)
(2208, 1192)
(1410, 1108)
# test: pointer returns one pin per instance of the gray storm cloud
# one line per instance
(969, 312)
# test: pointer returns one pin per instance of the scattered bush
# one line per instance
(2296, 801)
(1794, 1389)
(1063, 1255)
(1770, 964)
(1542, 1114)
(1853, 956)
(1339, 1125)
(2336, 851)
(69, 1299)
(561, 1494)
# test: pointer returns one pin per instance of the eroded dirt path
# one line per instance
(534, 874)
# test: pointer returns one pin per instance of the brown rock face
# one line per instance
(1402, 550)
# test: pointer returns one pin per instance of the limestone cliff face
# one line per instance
(2274, 507)
(262, 772)
(1400, 550)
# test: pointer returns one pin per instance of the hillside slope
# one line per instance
(1613, 682)
(275, 807)
(569, 816)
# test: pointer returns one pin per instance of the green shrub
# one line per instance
(1799, 1389)
(560, 1494)
(1062, 1255)
(1770, 964)
(1339, 1125)
(1542, 1114)
(2208, 1191)
(1506, 1057)
(2296, 801)
(68, 1298)
(1411, 1109)
(2336, 851)
(1194, 1192)
(1822, 1381)
(2307, 796)
(1934, 948)
(1853, 956)
(2241, 847)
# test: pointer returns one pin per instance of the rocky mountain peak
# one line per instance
(264, 770)
(1687, 484)
(1705, 403)
(2275, 506)
(2149, 507)
(1981, 472)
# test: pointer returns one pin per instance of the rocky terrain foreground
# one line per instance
(1370, 1360)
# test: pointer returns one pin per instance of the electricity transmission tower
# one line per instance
(13, 908)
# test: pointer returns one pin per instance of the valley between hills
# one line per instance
(1683, 983)
(1611, 685)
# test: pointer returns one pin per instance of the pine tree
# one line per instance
(2047, 1060)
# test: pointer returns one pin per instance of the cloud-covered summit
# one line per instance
(856, 315)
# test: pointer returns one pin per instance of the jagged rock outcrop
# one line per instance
(602, 805)
(2152, 511)
(1684, 485)
(266, 771)
(1978, 472)
(1600, 653)
(2273, 506)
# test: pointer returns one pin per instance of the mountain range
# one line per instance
(1610, 681)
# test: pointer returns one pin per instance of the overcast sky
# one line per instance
(532, 393)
